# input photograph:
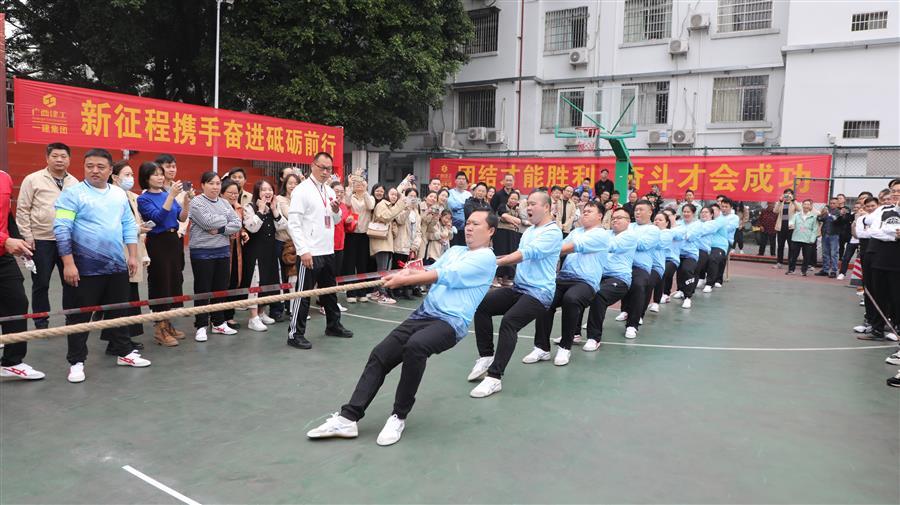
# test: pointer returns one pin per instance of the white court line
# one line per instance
(159, 485)
(694, 347)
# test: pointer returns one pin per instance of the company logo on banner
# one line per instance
(46, 113)
(747, 178)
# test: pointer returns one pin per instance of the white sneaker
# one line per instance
(480, 369)
(717, 285)
(21, 371)
(200, 336)
(373, 296)
(256, 324)
(654, 307)
(321, 310)
(363, 299)
(631, 332)
(577, 339)
(641, 321)
(224, 329)
(863, 328)
(335, 426)
(386, 300)
(707, 289)
(536, 354)
(664, 299)
(76, 373)
(893, 359)
(351, 299)
(840, 277)
(556, 340)
(777, 266)
(622, 316)
(891, 336)
(862, 303)
(342, 308)
(562, 357)
(487, 387)
(391, 432)
(133, 359)
(678, 295)
(686, 304)
(266, 319)
(701, 283)
(591, 345)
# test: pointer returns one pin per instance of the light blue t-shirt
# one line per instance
(456, 202)
(659, 254)
(720, 238)
(690, 248)
(620, 259)
(704, 236)
(464, 277)
(648, 240)
(536, 274)
(93, 225)
(586, 264)
(732, 221)
(673, 252)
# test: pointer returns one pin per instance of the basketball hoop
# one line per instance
(588, 131)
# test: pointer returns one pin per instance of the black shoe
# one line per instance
(299, 343)
(894, 382)
(789, 272)
(803, 273)
(338, 331)
(279, 318)
(821, 273)
(41, 325)
(417, 292)
(832, 275)
(233, 324)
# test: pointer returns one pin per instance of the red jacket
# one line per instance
(6, 187)
(339, 231)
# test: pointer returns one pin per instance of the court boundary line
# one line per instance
(159, 485)
(686, 347)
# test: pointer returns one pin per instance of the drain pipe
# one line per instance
(519, 82)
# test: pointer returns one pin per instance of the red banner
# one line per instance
(46, 113)
(745, 178)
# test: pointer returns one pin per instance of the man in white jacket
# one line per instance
(313, 213)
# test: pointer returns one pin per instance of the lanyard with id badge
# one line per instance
(325, 204)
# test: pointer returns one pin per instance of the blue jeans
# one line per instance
(830, 253)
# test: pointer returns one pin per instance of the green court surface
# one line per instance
(758, 394)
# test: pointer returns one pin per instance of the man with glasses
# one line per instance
(313, 213)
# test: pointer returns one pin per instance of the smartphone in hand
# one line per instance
(186, 186)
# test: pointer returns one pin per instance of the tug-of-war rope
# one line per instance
(103, 324)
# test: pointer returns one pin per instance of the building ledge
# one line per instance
(748, 33)
(837, 46)
(740, 125)
(643, 43)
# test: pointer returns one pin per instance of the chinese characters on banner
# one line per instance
(745, 178)
(46, 113)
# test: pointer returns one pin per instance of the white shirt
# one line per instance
(310, 206)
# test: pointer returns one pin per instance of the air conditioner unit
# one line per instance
(683, 137)
(443, 140)
(448, 140)
(578, 57)
(699, 21)
(658, 137)
(753, 137)
(495, 137)
(678, 46)
(476, 134)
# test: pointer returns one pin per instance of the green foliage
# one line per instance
(372, 66)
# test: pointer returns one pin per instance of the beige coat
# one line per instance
(363, 207)
(403, 242)
(284, 207)
(35, 209)
(143, 258)
(779, 206)
(434, 237)
(565, 226)
(385, 213)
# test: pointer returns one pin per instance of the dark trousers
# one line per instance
(356, 258)
(686, 278)
(653, 285)
(573, 297)
(277, 309)
(165, 273)
(668, 277)
(871, 314)
(887, 296)
(12, 303)
(847, 256)
(517, 309)
(702, 265)
(635, 302)
(611, 291)
(321, 274)
(98, 290)
(843, 240)
(134, 330)
(739, 238)
(809, 255)
(46, 256)
(783, 237)
(764, 238)
(716, 265)
(411, 344)
(210, 275)
(234, 283)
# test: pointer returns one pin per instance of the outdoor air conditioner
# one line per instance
(683, 137)
(476, 134)
(495, 137)
(678, 46)
(448, 140)
(443, 140)
(699, 21)
(753, 137)
(578, 57)
(658, 137)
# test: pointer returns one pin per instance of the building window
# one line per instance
(653, 103)
(737, 99)
(647, 20)
(744, 15)
(869, 21)
(486, 22)
(476, 108)
(565, 29)
(552, 107)
(861, 129)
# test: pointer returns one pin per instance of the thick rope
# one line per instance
(25, 336)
